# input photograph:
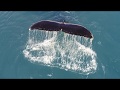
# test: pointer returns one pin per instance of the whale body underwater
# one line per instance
(70, 28)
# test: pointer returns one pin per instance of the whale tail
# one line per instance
(73, 29)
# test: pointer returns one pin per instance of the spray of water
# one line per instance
(62, 50)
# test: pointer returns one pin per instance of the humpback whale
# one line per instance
(70, 28)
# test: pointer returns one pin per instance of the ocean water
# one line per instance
(42, 54)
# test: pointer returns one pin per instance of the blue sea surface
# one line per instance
(20, 53)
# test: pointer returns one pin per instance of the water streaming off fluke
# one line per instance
(61, 50)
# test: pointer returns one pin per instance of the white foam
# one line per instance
(61, 50)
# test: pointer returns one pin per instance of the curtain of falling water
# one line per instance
(62, 50)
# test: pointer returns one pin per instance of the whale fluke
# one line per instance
(74, 29)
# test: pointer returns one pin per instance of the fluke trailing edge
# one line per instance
(74, 29)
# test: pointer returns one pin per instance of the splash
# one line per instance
(61, 50)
